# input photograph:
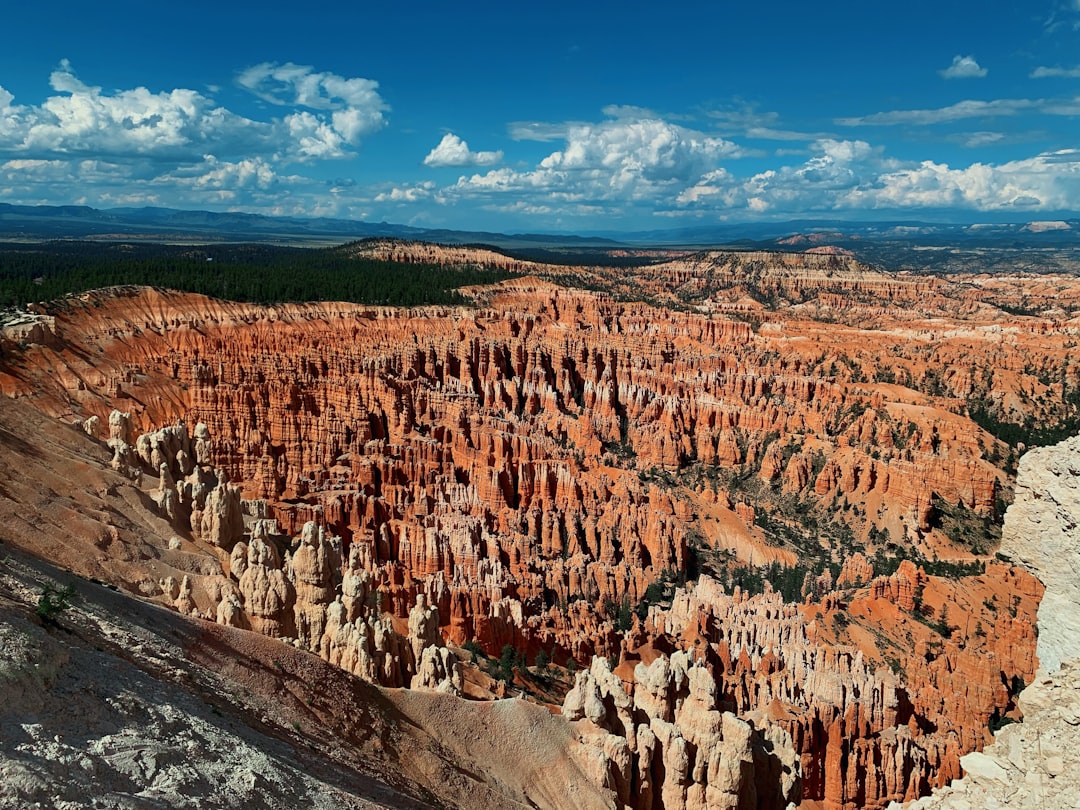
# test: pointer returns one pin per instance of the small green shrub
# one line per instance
(54, 601)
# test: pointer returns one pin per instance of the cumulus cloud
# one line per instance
(855, 176)
(302, 86)
(408, 193)
(1049, 181)
(453, 151)
(627, 161)
(650, 148)
(349, 109)
(179, 146)
(963, 67)
(1038, 73)
(834, 167)
(183, 124)
(218, 175)
(709, 186)
(81, 119)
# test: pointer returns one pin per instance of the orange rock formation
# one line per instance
(517, 473)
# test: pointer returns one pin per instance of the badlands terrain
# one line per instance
(721, 530)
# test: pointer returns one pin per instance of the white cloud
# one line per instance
(182, 125)
(83, 120)
(770, 134)
(1046, 72)
(963, 67)
(650, 148)
(301, 86)
(213, 174)
(354, 105)
(628, 111)
(407, 194)
(954, 112)
(975, 139)
(522, 207)
(834, 167)
(453, 151)
(537, 131)
(855, 176)
(1049, 181)
(710, 185)
(622, 159)
(179, 147)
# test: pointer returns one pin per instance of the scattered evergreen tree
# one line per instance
(507, 661)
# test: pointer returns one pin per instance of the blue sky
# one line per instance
(561, 116)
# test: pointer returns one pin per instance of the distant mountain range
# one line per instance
(35, 223)
(38, 222)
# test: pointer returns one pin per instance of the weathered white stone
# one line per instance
(1036, 763)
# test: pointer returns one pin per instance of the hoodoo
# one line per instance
(765, 544)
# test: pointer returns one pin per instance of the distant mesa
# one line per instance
(831, 250)
(1043, 227)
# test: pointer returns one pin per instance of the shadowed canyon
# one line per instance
(718, 531)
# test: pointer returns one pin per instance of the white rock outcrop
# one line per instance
(1036, 763)
(1041, 533)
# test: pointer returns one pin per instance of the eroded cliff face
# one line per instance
(876, 705)
(1040, 534)
(523, 473)
(668, 744)
(1036, 763)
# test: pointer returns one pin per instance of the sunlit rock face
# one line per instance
(1040, 533)
(1036, 763)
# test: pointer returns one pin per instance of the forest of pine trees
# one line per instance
(264, 274)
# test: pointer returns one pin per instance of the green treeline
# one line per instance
(263, 274)
(1028, 433)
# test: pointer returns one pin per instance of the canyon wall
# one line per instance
(375, 483)
(1036, 763)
